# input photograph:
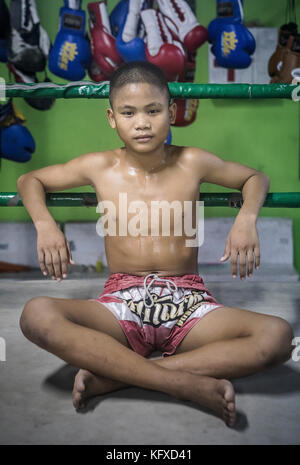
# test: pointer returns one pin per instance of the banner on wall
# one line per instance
(257, 73)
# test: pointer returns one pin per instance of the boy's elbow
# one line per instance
(263, 175)
(266, 177)
(20, 180)
(23, 177)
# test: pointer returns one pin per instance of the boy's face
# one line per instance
(141, 109)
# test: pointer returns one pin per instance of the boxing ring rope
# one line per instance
(89, 199)
(186, 90)
(87, 89)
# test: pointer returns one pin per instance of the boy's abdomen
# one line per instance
(141, 255)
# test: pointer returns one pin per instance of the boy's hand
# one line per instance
(53, 251)
(242, 241)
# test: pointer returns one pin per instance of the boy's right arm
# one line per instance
(53, 248)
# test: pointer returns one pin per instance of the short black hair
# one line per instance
(138, 72)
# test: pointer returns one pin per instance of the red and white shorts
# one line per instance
(155, 312)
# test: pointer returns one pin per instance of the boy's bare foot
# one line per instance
(87, 385)
(217, 395)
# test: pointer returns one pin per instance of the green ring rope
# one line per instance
(187, 90)
(87, 89)
(89, 199)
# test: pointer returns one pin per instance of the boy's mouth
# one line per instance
(144, 138)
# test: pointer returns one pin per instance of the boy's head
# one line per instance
(140, 105)
(138, 72)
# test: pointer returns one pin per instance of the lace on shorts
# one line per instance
(156, 278)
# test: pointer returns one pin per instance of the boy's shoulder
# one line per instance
(103, 159)
(189, 154)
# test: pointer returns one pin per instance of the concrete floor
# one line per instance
(35, 386)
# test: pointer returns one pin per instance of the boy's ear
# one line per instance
(111, 118)
(172, 112)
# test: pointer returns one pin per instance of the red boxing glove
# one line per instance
(187, 108)
(96, 73)
(161, 49)
(103, 43)
(183, 23)
(186, 111)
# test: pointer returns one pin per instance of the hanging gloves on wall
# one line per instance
(71, 52)
(233, 43)
(29, 47)
(105, 56)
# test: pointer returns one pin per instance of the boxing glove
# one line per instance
(187, 108)
(39, 103)
(183, 24)
(29, 44)
(186, 111)
(104, 50)
(290, 62)
(275, 61)
(10, 115)
(118, 16)
(73, 4)
(130, 46)
(232, 42)
(168, 140)
(16, 143)
(4, 30)
(161, 49)
(71, 53)
(95, 72)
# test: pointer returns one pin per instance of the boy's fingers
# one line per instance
(56, 264)
(64, 261)
(48, 262)
(70, 254)
(257, 257)
(242, 264)
(250, 262)
(41, 259)
(233, 263)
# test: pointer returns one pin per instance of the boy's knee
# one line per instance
(37, 319)
(276, 341)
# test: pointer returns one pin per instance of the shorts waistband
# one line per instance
(118, 281)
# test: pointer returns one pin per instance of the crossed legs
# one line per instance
(226, 343)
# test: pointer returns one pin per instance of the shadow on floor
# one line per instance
(279, 380)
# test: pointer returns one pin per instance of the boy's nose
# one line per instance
(142, 123)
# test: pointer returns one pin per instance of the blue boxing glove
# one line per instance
(118, 16)
(169, 138)
(232, 42)
(16, 143)
(130, 46)
(71, 52)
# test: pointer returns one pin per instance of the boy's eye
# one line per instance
(128, 113)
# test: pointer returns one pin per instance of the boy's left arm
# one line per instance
(242, 240)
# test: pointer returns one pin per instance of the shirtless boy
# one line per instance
(204, 343)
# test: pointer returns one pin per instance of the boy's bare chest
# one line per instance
(170, 185)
